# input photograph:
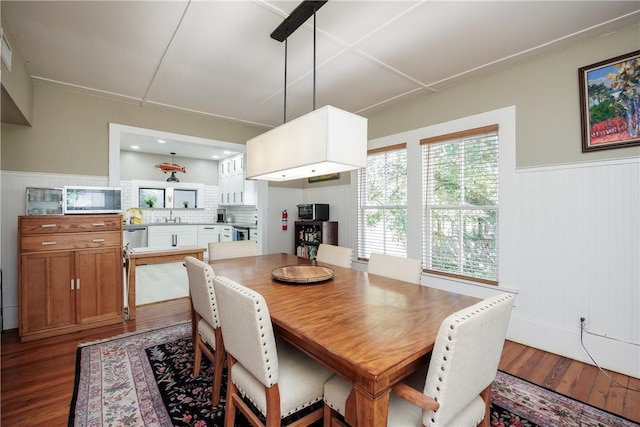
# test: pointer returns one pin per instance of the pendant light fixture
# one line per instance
(325, 141)
(173, 168)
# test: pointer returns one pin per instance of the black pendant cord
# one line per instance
(298, 17)
(314, 59)
(285, 81)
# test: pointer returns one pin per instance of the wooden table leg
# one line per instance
(132, 289)
(370, 411)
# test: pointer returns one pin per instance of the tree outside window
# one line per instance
(461, 212)
(382, 203)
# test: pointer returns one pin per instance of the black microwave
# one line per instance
(313, 212)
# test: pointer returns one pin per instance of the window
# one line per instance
(460, 181)
(151, 197)
(382, 202)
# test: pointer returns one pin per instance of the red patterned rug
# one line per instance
(144, 379)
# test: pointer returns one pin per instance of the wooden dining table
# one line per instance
(371, 330)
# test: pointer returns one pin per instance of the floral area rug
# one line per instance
(144, 379)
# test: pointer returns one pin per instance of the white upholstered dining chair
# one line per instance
(336, 255)
(208, 336)
(277, 378)
(234, 249)
(395, 267)
(463, 365)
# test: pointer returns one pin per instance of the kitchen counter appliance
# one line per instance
(240, 232)
(135, 237)
(313, 212)
(92, 200)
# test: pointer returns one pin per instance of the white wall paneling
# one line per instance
(280, 199)
(579, 252)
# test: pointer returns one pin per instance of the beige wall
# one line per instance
(70, 128)
(70, 132)
(544, 91)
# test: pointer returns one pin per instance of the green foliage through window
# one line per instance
(461, 213)
(382, 204)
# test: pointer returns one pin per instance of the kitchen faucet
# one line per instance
(171, 219)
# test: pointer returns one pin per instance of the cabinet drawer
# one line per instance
(53, 224)
(59, 242)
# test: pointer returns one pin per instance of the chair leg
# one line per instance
(230, 410)
(218, 366)
(326, 416)
(273, 406)
(197, 352)
(330, 418)
(486, 397)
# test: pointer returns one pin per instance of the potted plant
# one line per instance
(150, 201)
(186, 203)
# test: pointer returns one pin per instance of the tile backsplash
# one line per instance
(240, 214)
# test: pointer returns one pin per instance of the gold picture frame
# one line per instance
(327, 177)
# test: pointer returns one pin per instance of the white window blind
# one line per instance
(460, 180)
(382, 203)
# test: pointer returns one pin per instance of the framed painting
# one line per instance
(326, 177)
(610, 103)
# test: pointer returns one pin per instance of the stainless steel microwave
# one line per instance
(92, 200)
(313, 212)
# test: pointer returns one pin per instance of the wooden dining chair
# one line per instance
(395, 267)
(234, 249)
(277, 378)
(336, 255)
(463, 365)
(208, 336)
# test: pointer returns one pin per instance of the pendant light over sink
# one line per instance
(325, 141)
(173, 168)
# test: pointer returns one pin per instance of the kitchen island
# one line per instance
(145, 256)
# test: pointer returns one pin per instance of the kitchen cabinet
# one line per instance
(226, 233)
(309, 234)
(207, 234)
(166, 236)
(234, 188)
(70, 273)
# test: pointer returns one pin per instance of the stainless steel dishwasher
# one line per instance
(135, 237)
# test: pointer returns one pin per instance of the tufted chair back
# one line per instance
(234, 249)
(463, 365)
(279, 380)
(336, 255)
(247, 332)
(207, 336)
(399, 268)
(465, 360)
(203, 297)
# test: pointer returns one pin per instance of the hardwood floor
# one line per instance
(37, 377)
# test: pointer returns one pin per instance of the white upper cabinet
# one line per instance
(234, 188)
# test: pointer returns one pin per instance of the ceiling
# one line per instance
(216, 58)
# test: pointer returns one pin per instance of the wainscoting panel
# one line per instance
(577, 255)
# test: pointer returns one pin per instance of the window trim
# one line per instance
(466, 133)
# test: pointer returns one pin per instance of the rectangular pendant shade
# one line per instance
(324, 141)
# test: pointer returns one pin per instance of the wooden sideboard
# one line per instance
(70, 274)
